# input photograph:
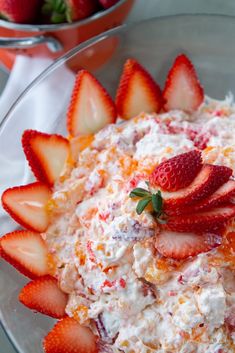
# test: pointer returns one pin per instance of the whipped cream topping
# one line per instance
(104, 258)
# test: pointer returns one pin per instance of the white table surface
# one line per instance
(144, 9)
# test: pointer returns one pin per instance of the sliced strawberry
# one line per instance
(44, 295)
(27, 205)
(91, 108)
(205, 221)
(26, 251)
(68, 336)
(182, 245)
(137, 91)
(177, 172)
(208, 180)
(182, 89)
(46, 154)
(220, 196)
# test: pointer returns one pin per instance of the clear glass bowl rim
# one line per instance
(96, 39)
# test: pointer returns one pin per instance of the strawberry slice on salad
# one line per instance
(207, 181)
(26, 251)
(177, 172)
(68, 336)
(183, 245)
(223, 194)
(137, 91)
(91, 108)
(44, 296)
(206, 221)
(182, 88)
(46, 154)
(27, 205)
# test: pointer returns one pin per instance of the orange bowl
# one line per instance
(53, 40)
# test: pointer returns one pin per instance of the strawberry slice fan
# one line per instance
(189, 200)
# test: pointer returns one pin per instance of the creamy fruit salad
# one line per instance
(129, 235)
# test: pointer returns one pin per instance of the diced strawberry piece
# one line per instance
(182, 89)
(68, 336)
(208, 180)
(27, 205)
(220, 196)
(137, 91)
(206, 221)
(44, 295)
(177, 172)
(230, 318)
(47, 154)
(91, 108)
(26, 251)
(182, 245)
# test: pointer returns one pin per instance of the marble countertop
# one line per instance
(142, 10)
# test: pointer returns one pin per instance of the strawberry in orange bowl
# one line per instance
(19, 11)
(53, 27)
(128, 229)
(107, 3)
(53, 11)
(69, 10)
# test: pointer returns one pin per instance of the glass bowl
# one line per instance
(210, 43)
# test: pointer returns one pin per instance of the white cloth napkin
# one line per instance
(43, 109)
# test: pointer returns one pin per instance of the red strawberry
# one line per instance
(137, 91)
(79, 9)
(177, 172)
(182, 89)
(91, 108)
(107, 3)
(68, 10)
(208, 180)
(27, 205)
(26, 251)
(230, 318)
(182, 245)
(19, 11)
(46, 154)
(207, 221)
(68, 336)
(44, 295)
(221, 195)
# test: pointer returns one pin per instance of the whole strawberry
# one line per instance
(19, 11)
(107, 3)
(79, 9)
(68, 10)
(177, 172)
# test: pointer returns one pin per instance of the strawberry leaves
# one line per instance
(147, 198)
(55, 9)
(139, 192)
(142, 204)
